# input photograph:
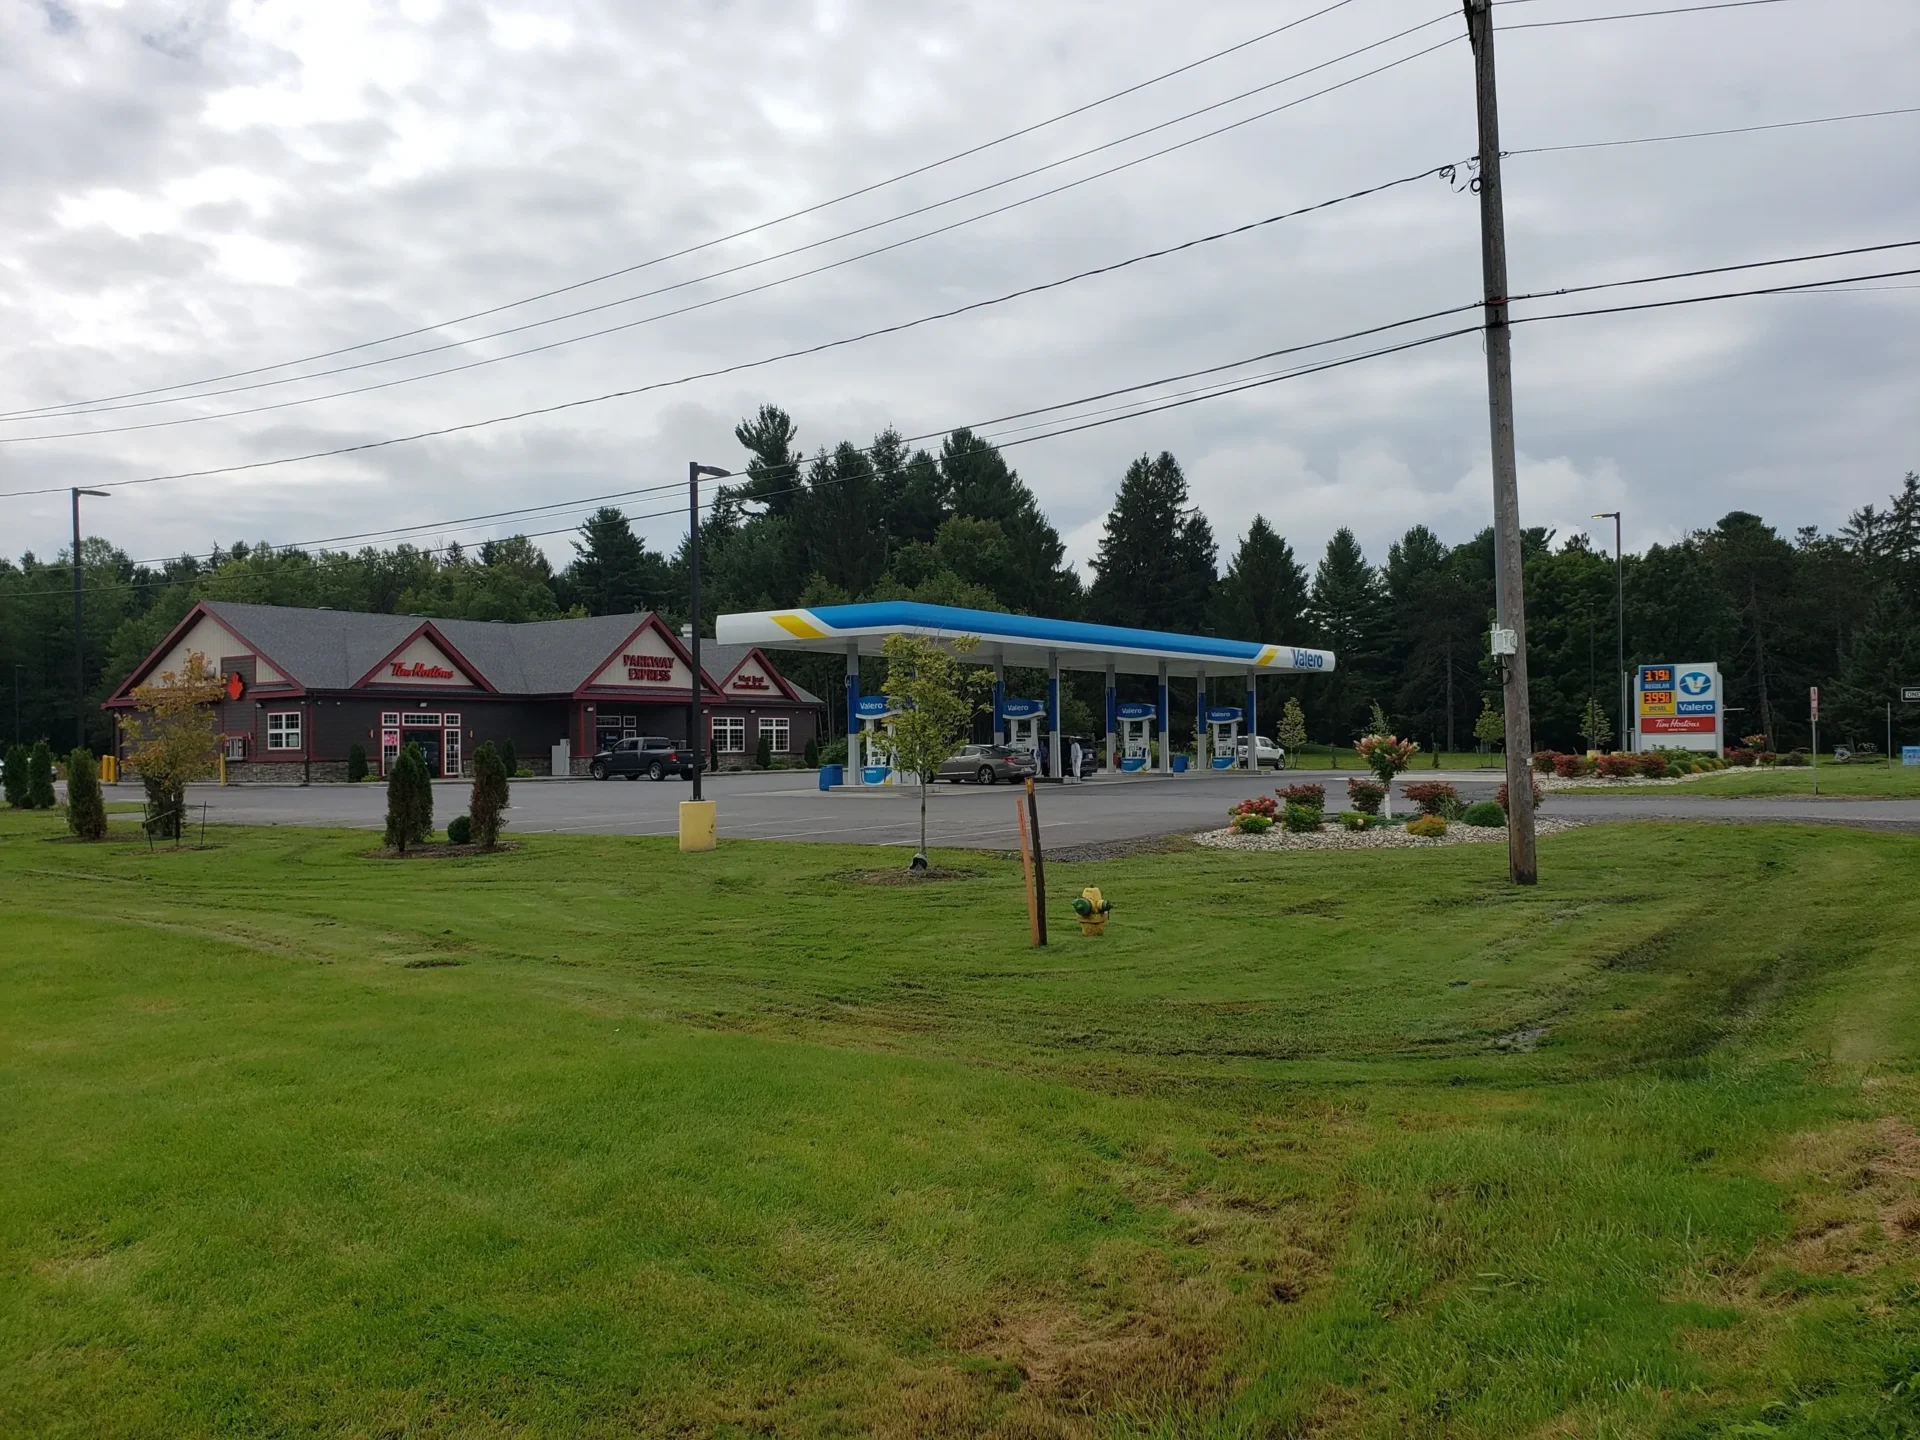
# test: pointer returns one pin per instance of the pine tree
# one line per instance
(613, 573)
(16, 776)
(487, 802)
(409, 799)
(1347, 610)
(979, 485)
(40, 777)
(86, 809)
(1155, 567)
(1263, 595)
(773, 474)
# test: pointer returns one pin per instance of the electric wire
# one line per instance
(1705, 134)
(812, 209)
(1638, 14)
(69, 409)
(738, 366)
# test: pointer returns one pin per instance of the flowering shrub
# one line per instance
(1754, 742)
(1567, 766)
(1263, 807)
(1543, 762)
(1366, 795)
(1617, 767)
(1436, 797)
(1500, 795)
(1427, 827)
(1300, 819)
(1653, 765)
(1314, 797)
(1251, 824)
(1386, 755)
(1740, 755)
(1766, 758)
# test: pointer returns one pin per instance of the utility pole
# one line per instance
(79, 636)
(1522, 864)
(1619, 621)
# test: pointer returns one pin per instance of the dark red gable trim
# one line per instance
(475, 676)
(122, 697)
(586, 690)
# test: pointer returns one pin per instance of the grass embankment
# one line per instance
(1878, 782)
(596, 1139)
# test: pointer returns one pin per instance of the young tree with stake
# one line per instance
(174, 741)
(934, 698)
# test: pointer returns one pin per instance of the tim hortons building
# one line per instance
(304, 686)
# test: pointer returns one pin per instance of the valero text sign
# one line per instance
(1680, 707)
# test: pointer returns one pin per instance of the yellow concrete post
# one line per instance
(699, 824)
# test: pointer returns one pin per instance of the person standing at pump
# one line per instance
(1073, 755)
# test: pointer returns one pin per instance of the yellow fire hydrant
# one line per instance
(1093, 911)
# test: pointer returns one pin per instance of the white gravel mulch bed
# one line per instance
(1630, 782)
(1334, 837)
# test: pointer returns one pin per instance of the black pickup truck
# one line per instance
(653, 756)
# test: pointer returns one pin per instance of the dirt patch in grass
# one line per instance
(438, 850)
(904, 876)
(432, 962)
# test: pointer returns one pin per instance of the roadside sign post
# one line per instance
(1813, 705)
(1679, 707)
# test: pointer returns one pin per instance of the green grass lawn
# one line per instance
(1860, 781)
(595, 1139)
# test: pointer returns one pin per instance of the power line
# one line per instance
(1803, 288)
(1637, 14)
(1704, 134)
(61, 412)
(750, 229)
(739, 366)
(1719, 270)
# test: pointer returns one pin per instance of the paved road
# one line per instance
(789, 806)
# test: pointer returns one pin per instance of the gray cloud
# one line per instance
(196, 189)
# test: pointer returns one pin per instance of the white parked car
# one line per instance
(1268, 753)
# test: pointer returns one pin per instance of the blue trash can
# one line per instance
(832, 775)
(1179, 764)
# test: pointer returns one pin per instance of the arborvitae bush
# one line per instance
(356, 762)
(16, 777)
(40, 777)
(460, 830)
(763, 752)
(409, 799)
(489, 796)
(812, 754)
(86, 807)
(509, 758)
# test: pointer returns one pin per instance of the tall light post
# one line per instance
(1619, 619)
(695, 470)
(79, 636)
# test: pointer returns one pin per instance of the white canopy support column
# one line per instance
(999, 697)
(1253, 723)
(1166, 725)
(1202, 732)
(1053, 714)
(1113, 709)
(853, 714)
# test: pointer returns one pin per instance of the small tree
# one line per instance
(934, 698)
(409, 799)
(763, 752)
(509, 758)
(1595, 728)
(16, 777)
(86, 808)
(356, 762)
(1293, 727)
(174, 742)
(1386, 756)
(489, 798)
(1491, 727)
(40, 777)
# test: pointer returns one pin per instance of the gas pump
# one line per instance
(875, 754)
(1136, 732)
(1023, 719)
(1223, 726)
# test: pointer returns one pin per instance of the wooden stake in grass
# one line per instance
(1027, 816)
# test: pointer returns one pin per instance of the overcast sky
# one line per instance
(194, 190)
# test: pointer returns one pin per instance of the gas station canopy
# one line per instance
(1024, 640)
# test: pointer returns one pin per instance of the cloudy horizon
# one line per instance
(197, 190)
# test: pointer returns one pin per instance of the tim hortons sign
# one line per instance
(649, 669)
(418, 670)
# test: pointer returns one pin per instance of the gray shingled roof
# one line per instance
(332, 649)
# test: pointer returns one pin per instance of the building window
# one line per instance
(390, 718)
(283, 730)
(729, 734)
(236, 746)
(777, 731)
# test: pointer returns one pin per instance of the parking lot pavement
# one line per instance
(788, 805)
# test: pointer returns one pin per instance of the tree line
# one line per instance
(958, 526)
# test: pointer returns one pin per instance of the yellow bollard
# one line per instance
(109, 770)
(699, 824)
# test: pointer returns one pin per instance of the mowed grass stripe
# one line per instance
(744, 1144)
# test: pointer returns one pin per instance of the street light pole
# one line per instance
(694, 471)
(79, 636)
(1619, 620)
